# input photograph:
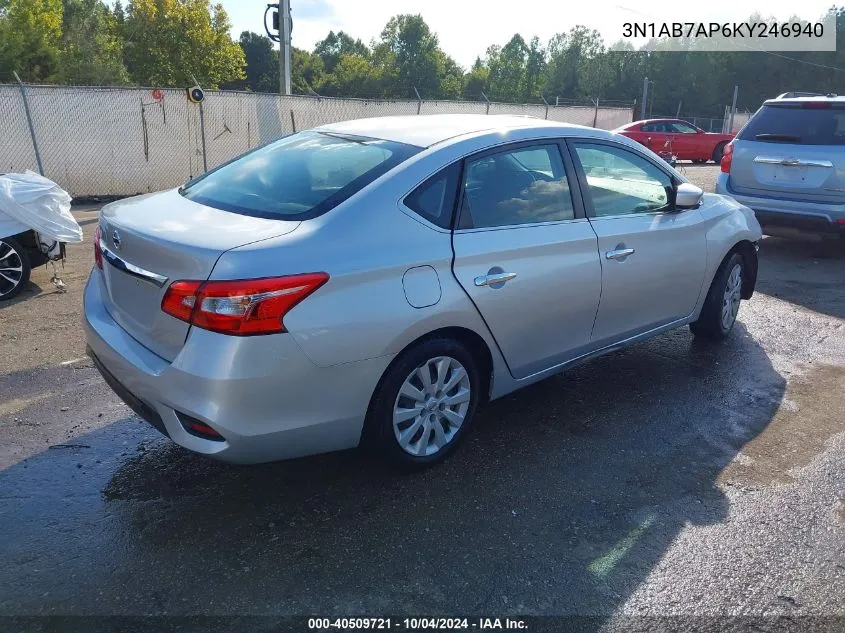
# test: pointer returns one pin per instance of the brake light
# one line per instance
(98, 252)
(727, 157)
(816, 105)
(180, 299)
(241, 307)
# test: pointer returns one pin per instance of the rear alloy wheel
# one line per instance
(425, 403)
(431, 406)
(717, 153)
(14, 268)
(721, 306)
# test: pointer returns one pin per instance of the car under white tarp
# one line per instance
(30, 201)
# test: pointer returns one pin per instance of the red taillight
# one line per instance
(180, 299)
(727, 157)
(816, 105)
(241, 307)
(98, 252)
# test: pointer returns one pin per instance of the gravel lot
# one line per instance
(673, 478)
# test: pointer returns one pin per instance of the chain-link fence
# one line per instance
(719, 125)
(123, 141)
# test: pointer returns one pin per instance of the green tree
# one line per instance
(508, 70)
(262, 64)
(535, 67)
(451, 77)
(306, 72)
(30, 39)
(354, 76)
(336, 45)
(569, 55)
(91, 45)
(118, 13)
(475, 81)
(168, 42)
(410, 48)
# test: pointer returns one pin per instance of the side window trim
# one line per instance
(578, 209)
(582, 176)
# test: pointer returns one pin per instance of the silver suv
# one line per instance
(788, 164)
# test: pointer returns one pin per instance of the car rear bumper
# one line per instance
(265, 398)
(799, 215)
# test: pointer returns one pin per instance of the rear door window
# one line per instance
(813, 124)
(513, 187)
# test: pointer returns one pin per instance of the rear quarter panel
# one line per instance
(366, 245)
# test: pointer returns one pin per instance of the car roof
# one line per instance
(658, 121)
(430, 129)
(785, 99)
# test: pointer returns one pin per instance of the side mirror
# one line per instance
(687, 196)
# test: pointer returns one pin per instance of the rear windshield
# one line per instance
(297, 177)
(796, 124)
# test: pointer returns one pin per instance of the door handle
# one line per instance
(619, 253)
(496, 278)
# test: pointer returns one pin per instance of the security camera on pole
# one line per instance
(279, 31)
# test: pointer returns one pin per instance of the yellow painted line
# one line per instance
(605, 563)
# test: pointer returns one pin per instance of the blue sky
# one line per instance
(467, 27)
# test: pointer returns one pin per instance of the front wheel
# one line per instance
(14, 268)
(425, 403)
(721, 306)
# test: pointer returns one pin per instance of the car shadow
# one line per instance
(806, 272)
(29, 292)
(561, 502)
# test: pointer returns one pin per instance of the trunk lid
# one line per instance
(151, 241)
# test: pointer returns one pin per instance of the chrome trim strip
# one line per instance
(792, 162)
(132, 269)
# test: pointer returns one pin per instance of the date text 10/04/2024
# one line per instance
(422, 623)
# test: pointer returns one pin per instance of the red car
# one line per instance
(677, 137)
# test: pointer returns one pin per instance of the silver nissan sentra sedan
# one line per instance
(376, 281)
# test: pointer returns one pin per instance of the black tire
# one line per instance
(14, 256)
(379, 427)
(710, 324)
(718, 151)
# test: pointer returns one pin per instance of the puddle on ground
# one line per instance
(812, 410)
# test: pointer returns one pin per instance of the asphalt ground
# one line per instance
(674, 478)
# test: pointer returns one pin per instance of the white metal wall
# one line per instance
(121, 141)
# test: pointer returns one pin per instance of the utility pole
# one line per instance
(284, 47)
(645, 98)
(733, 110)
(651, 105)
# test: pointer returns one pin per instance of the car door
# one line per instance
(687, 141)
(655, 136)
(526, 255)
(653, 257)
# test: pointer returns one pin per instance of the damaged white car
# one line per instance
(35, 225)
